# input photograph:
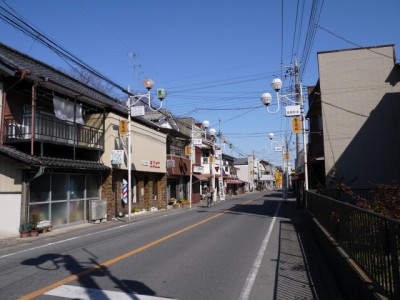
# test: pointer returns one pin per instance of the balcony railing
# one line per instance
(52, 130)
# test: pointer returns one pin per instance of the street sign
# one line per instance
(197, 142)
(123, 127)
(137, 111)
(296, 125)
(278, 149)
(188, 150)
(292, 110)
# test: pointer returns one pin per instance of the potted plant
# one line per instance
(185, 203)
(23, 230)
(172, 201)
(176, 205)
(34, 221)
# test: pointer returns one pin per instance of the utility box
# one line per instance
(97, 210)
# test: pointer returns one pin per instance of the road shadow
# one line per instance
(85, 273)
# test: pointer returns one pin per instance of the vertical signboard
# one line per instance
(221, 189)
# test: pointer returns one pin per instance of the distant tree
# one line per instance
(92, 80)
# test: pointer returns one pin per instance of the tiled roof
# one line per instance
(13, 61)
(52, 162)
(241, 161)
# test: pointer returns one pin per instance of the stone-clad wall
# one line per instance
(145, 182)
(112, 192)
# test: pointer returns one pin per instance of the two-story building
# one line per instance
(50, 147)
(62, 151)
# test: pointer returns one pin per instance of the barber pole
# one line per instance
(125, 191)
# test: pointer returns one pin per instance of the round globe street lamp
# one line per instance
(266, 99)
(139, 111)
(280, 147)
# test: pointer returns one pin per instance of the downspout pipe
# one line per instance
(33, 116)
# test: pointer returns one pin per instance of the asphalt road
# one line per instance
(249, 247)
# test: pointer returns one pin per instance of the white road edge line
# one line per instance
(245, 294)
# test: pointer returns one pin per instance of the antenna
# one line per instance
(136, 67)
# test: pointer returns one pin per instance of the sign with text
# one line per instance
(296, 125)
(137, 111)
(197, 142)
(123, 127)
(198, 169)
(221, 189)
(117, 157)
(292, 110)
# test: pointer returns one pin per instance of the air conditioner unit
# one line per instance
(97, 210)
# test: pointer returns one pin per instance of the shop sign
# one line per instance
(117, 157)
(292, 110)
(151, 163)
(170, 163)
(198, 169)
(197, 142)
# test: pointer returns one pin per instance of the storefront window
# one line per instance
(41, 210)
(77, 187)
(66, 196)
(40, 189)
(59, 213)
(59, 187)
(92, 186)
(76, 211)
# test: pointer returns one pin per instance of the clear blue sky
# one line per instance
(214, 57)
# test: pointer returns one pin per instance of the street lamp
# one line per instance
(280, 148)
(266, 99)
(212, 132)
(139, 111)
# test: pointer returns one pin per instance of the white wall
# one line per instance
(10, 207)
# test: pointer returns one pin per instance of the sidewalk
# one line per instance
(11, 242)
(302, 271)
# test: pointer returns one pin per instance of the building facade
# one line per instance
(353, 119)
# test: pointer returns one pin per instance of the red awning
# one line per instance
(234, 181)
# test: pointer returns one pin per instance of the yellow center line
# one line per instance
(121, 257)
(116, 259)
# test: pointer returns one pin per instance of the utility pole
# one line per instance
(297, 101)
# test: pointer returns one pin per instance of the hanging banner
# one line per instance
(221, 189)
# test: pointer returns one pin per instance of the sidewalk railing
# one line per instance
(371, 240)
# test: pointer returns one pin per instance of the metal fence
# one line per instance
(372, 240)
(347, 197)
